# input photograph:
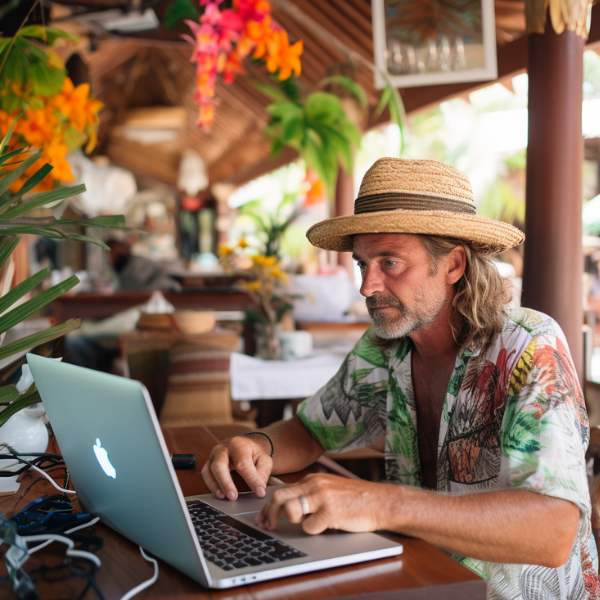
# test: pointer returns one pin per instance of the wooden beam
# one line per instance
(234, 165)
(144, 160)
(553, 253)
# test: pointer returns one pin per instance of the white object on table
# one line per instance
(257, 379)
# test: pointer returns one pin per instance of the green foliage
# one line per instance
(503, 203)
(15, 220)
(271, 227)
(390, 100)
(29, 68)
(318, 129)
(317, 126)
(180, 10)
(349, 85)
(591, 74)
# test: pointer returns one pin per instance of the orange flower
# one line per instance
(223, 39)
(315, 190)
(206, 115)
(282, 56)
(258, 33)
(55, 153)
(75, 104)
(62, 123)
(38, 126)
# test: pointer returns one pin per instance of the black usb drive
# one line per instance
(183, 461)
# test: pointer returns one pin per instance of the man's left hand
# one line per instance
(321, 501)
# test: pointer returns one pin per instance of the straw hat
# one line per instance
(400, 195)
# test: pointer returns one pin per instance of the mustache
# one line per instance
(379, 301)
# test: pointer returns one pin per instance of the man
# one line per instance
(137, 272)
(463, 397)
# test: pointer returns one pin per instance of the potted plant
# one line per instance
(319, 125)
(18, 210)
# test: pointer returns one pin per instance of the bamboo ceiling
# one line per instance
(153, 70)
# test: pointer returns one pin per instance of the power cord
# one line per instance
(18, 456)
(72, 530)
(19, 552)
(148, 582)
(47, 539)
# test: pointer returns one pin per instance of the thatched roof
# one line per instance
(152, 71)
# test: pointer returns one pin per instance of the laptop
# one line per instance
(111, 441)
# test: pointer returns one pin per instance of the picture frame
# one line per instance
(428, 42)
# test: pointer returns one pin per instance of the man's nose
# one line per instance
(371, 281)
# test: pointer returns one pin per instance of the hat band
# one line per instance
(395, 200)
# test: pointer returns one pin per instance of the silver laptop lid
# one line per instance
(111, 441)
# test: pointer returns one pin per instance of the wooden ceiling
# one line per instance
(154, 70)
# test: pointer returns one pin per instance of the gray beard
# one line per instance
(391, 329)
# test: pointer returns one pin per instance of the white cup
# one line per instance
(295, 344)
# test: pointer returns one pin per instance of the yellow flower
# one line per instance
(270, 261)
(225, 250)
(242, 243)
(251, 286)
(258, 260)
(278, 274)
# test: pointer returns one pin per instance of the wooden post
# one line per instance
(344, 205)
(552, 277)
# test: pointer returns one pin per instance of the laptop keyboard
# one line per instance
(231, 544)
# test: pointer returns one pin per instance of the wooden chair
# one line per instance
(198, 380)
(187, 375)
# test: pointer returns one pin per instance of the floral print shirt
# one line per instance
(513, 417)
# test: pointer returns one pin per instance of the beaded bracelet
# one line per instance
(265, 436)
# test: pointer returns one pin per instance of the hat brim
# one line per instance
(490, 235)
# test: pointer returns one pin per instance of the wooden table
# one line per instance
(423, 571)
(92, 305)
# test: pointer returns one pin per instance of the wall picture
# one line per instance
(428, 42)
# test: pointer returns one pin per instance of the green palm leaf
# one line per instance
(8, 178)
(28, 399)
(7, 246)
(36, 339)
(42, 199)
(22, 288)
(349, 85)
(8, 394)
(21, 312)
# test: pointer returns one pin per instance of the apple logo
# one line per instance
(103, 460)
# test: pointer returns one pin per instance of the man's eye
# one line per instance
(361, 265)
(388, 263)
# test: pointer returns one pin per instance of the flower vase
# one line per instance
(268, 344)
(25, 432)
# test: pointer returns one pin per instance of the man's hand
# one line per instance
(321, 501)
(248, 455)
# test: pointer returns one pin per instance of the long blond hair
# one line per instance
(479, 304)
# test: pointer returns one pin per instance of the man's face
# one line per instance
(402, 289)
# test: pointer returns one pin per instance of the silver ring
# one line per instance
(304, 505)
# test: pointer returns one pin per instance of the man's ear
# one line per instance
(456, 264)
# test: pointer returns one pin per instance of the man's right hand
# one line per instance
(248, 455)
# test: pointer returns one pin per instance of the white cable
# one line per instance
(48, 542)
(54, 484)
(52, 537)
(145, 584)
(40, 471)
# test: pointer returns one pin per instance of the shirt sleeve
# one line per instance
(349, 410)
(545, 429)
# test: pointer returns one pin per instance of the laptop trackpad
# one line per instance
(247, 502)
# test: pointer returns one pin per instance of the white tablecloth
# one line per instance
(256, 379)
